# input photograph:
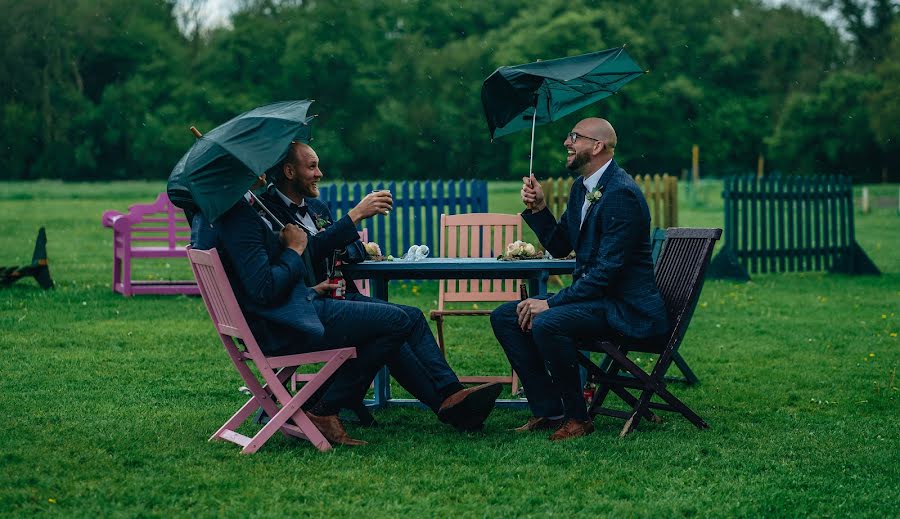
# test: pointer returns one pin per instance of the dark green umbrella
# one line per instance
(219, 168)
(522, 96)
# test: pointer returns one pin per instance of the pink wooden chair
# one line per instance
(284, 409)
(478, 235)
(363, 286)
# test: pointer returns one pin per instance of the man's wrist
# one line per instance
(539, 207)
(355, 215)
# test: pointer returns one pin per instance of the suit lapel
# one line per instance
(607, 176)
(284, 213)
(573, 212)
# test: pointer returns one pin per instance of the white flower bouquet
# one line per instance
(520, 250)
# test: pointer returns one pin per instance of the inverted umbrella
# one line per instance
(520, 96)
(220, 167)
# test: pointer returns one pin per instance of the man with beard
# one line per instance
(418, 365)
(613, 292)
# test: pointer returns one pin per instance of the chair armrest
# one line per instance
(109, 217)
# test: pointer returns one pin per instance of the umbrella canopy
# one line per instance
(552, 89)
(219, 168)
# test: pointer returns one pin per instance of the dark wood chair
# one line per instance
(679, 275)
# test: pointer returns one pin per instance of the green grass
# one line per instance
(108, 402)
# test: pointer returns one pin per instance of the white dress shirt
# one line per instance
(305, 219)
(589, 184)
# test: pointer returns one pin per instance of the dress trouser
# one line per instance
(546, 358)
(418, 365)
(377, 331)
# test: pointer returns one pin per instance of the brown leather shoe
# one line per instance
(573, 429)
(332, 429)
(539, 423)
(467, 409)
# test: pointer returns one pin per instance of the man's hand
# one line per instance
(379, 202)
(532, 194)
(292, 237)
(325, 287)
(528, 309)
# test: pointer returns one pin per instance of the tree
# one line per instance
(828, 131)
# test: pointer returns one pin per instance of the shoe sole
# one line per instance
(470, 414)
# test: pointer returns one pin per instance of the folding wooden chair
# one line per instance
(679, 275)
(284, 409)
(477, 235)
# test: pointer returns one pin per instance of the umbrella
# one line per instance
(520, 96)
(219, 168)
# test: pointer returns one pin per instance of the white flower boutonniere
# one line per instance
(321, 222)
(594, 196)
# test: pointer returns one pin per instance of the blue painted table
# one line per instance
(382, 272)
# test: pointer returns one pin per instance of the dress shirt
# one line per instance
(589, 184)
(302, 217)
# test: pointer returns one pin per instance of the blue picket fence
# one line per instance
(418, 206)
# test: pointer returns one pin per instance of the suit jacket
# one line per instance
(338, 236)
(267, 278)
(613, 264)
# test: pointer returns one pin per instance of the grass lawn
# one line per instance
(108, 402)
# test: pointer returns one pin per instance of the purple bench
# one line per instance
(157, 230)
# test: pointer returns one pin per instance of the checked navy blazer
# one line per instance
(340, 235)
(267, 278)
(613, 264)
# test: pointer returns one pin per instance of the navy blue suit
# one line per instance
(418, 365)
(613, 292)
(286, 316)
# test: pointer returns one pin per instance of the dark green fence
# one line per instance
(789, 224)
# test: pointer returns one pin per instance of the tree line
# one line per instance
(104, 89)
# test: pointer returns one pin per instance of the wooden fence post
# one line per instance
(695, 164)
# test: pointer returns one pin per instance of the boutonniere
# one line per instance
(594, 196)
(321, 222)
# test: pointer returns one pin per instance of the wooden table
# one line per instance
(381, 273)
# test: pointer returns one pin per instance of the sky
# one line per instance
(215, 13)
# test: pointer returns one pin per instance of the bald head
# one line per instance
(298, 150)
(299, 173)
(590, 144)
(600, 129)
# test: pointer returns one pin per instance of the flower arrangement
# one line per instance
(520, 250)
(594, 196)
(372, 249)
(373, 252)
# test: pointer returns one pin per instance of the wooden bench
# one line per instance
(156, 230)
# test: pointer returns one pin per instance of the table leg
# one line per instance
(379, 288)
(383, 378)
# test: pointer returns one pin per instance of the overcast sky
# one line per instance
(215, 12)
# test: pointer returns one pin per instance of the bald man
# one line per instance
(613, 292)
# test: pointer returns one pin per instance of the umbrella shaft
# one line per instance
(531, 155)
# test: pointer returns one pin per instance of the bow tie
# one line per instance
(301, 210)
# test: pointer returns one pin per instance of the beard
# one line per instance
(306, 189)
(579, 160)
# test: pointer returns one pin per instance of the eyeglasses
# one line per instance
(573, 136)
